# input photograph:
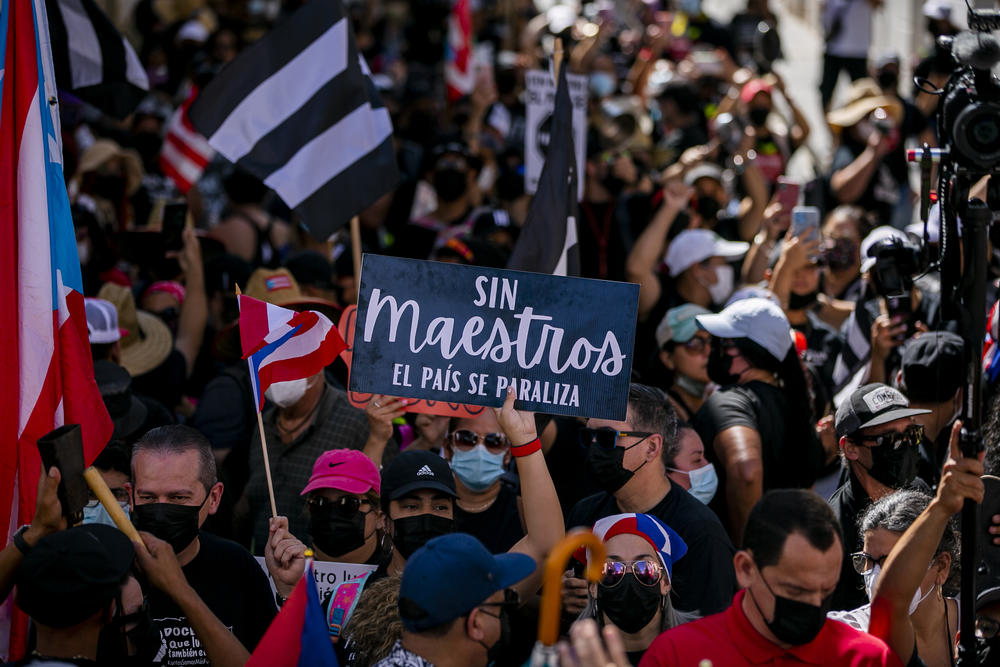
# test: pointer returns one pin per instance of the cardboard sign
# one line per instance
(327, 575)
(464, 334)
(540, 99)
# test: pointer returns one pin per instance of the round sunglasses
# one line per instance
(646, 571)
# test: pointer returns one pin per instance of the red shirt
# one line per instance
(728, 639)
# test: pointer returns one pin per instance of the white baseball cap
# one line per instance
(102, 321)
(759, 320)
(878, 234)
(696, 245)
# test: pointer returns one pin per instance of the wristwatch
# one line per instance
(19, 541)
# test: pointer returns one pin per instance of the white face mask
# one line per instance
(83, 250)
(723, 287)
(287, 394)
(871, 577)
(704, 482)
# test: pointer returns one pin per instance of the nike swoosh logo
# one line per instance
(339, 463)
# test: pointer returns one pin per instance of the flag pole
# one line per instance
(557, 58)
(356, 254)
(263, 445)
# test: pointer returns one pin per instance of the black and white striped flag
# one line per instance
(298, 110)
(92, 59)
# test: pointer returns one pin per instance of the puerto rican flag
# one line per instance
(185, 153)
(459, 73)
(46, 370)
(281, 344)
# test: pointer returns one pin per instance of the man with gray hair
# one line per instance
(174, 490)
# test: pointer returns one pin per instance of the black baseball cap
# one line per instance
(413, 470)
(872, 405)
(70, 575)
(311, 268)
(933, 366)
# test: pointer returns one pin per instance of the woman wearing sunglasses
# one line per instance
(633, 593)
(934, 616)
(684, 352)
(487, 506)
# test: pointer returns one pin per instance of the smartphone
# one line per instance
(63, 448)
(900, 306)
(787, 193)
(174, 220)
(805, 223)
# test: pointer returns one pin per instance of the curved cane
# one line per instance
(555, 565)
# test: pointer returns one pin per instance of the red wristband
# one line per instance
(527, 448)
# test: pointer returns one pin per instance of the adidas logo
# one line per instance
(425, 470)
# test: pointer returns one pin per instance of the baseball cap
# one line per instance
(760, 320)
(696, 245)
(127, 412)
(752, 87)
(752, 292)
(102, 321)
(451, 575)
(668, 544)
(933, 366)
(703, 170)
(70, 575)
(939, 10)
(413, 470)
(311, 268)
(872, 405)
(679, 324)
(346, 470)
(279, 287)
(878, 234)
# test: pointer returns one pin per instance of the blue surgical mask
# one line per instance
(94, 512)
(477, 468)
(704, 482)
(602, 84)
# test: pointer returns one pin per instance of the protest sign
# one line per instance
(464, 334)
(540, 99)
(328, 575)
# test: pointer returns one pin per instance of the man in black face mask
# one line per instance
(175, 490)
(879, 442)
(788, 570)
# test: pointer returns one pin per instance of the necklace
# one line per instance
(472, 509)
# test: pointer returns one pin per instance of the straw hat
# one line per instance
(103, 150)
(148, 342)
(279, 287)
(863, 97)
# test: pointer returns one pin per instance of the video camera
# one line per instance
(897, 262)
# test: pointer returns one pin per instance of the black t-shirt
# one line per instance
(498, 527)
(232, 584)
(763, 408)
(567, 463)
(704, 580)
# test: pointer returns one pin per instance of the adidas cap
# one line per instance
(414, 470)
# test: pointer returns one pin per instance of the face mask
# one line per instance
(97, 514)
(175, 524)
(758, 115)
(894, 467)
(477, 468)
(495, 652)
(704, 482)
(708, 208)
(719, 364)
(887, 80)
(691, 386)
(137, 645)
(802, 301)
(111, 188)
(794, 622)
(871, 577)
(629, 605)
(723, 287)
(334, 534)
(286, 394)
(83, 250)
(449, 184)
(841, 254)
(602, 84)
(607, 468)
(613, 184)
(413, 532)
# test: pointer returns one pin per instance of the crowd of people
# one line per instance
(782, 488)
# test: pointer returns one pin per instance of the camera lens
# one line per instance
(977, 133)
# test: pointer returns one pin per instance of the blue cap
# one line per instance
(450, 576)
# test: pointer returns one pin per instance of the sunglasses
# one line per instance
(345, 506)
(647, 572)
(864, 562)
(608, 437)
(911, 437)
(986, 627)
(465, 439)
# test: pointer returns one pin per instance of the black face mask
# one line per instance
(802, 301)
(719, 364)
(449, 184)
(794, 622)
(708, 208)
(758, 116)
(607, 468)
(894, 467)
(175, 524)
(148, 144)
(113, 643)
(334, 534)
(629, 604)
(841, 254)
(111, 188)
(613, 184)
(888, 80)
(494, 653)
(413, 532)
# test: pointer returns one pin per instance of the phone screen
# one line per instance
(805, 223)
(174, 219)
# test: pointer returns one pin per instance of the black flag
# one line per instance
(548, 240)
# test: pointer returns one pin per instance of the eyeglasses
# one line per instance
(647, 572)
(608, 437)
(697, 345)
(345, 506)
(908, 438)
(986, 627)
(864, 562)
(120, 494)
(511, 600)
(466, 439)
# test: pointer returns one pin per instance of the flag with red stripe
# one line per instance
(459, 74)
(280, 344)
(46, 370)
(185, 153)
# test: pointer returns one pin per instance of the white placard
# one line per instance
(540, 97)
(328, 575)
